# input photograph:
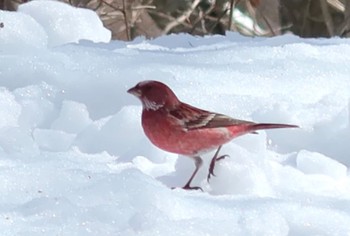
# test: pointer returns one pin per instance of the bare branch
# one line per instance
(344, 28)
(181, 18)
(111, 6)
(165, 16)
(201, 17)
(217, 20)
(268, 25)
(143, 7)
(126, 21)
(232, 7)
(327, 17)
(252, 12)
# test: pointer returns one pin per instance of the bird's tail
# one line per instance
(255, 127)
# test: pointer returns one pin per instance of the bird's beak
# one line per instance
(134, 91)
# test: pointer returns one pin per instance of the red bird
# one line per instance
(180, 128)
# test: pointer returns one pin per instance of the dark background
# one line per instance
(128, 19)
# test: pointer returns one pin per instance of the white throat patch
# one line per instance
(149, 105)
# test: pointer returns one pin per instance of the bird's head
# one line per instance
(154, 95)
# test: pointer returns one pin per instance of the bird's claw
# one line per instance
(212, 165)
(188, 187)
(222, 157)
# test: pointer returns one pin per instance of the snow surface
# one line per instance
(74, 159)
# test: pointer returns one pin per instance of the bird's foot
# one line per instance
(188, 187)
(212, 165)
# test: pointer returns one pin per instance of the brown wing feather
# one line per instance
(194, 118)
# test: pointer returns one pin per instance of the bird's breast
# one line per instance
(167, 133)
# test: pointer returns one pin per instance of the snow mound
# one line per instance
(66, 24)
(20, 32)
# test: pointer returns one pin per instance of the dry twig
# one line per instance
(181, 18)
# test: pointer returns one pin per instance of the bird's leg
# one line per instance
(213, 161)
(198, 163)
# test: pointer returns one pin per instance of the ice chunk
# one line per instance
(15, 140)
(66, 24)
(317, 163)
(73, 117)
(38, 108)
(242, 172)
(117, 134)
(53, 140)
(10, 110)
(20, 32)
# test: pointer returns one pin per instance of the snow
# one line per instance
(74, 159)
(21, 32)
(56, 19)
(316, 163)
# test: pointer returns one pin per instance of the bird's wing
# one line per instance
(193, 118)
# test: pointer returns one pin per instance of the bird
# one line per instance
(180, 128)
